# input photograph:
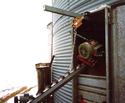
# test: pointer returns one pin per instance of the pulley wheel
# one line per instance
(85, 50)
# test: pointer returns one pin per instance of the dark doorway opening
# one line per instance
(92, 28)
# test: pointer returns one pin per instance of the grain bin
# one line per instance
(106, 82)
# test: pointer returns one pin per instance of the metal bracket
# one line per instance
(60, 11)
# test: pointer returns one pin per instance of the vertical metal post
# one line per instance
(107, 54)
(115, 65)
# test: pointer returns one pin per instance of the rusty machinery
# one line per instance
(90, 49)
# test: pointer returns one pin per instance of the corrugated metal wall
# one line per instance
(62, 49)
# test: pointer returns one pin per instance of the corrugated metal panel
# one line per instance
(80, 6)
(62, 49)
(92, 88)
(62, 4)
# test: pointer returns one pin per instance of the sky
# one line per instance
(23, 41)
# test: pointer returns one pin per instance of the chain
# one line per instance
(76, 34)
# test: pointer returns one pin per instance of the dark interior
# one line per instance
(93, 27)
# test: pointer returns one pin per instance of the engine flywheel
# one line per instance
(85, 50)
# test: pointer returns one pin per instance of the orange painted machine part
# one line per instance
(77, 22)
